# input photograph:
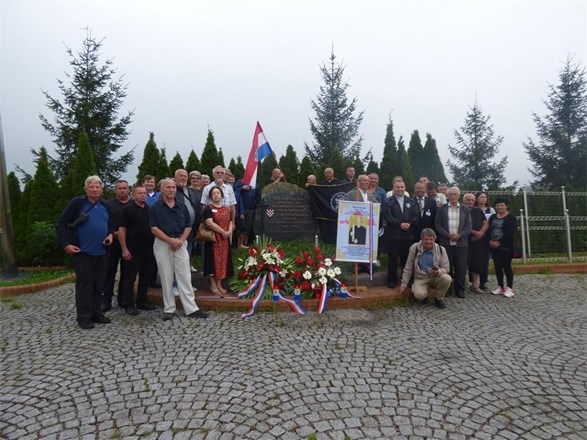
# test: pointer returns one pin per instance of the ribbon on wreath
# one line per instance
(259, 283)
(323, 299)
(343, 286)
(279, 297)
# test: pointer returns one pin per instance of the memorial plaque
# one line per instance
(286, 215)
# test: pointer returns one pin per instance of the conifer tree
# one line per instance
(435, 170)
(265, 169)
(151, 160)
(193, 163)
(476, 147)
(14, 192)
(418, 160)
(306, 168)
(238, 168)
(82, 166)
(337, 163)
(176, 163)
(559, 158)
(357, 163)
(404, 165)
(221, 157)
(373, 167)
(290, 166)
(335, 126)
(90, 102)
(390, 161)
(163, 169)
(210, 156)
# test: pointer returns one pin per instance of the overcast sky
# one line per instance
(226, 64)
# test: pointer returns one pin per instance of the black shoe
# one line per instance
(101, 319)
(86, 325)
(391, 285)
(167, 316)
(440, 304)
(146, 306)
(460, 294)
(425, 300)
(106, 307)
(131, 310)
(198, 314)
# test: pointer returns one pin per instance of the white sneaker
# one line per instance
(509, 292)
(497, 291)
(377, 263)
(193, 269)
(175, 291)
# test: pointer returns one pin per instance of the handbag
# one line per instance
(205, 234)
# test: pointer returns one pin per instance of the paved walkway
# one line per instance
(486, 367)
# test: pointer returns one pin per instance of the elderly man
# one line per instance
(276, 176)
(229, 197)
(428, 264)
(136, 242)
(329, 178)
(453, 226)
(191, 199)
(361, 192)
(171, 226)
(310, 180)
(84, 231)
(401, 216)
(121, 199)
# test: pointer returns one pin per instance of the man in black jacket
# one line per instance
(401, 215)
(427, 208)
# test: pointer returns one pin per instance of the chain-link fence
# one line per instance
(551, 225)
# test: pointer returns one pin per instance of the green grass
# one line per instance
(35, 277)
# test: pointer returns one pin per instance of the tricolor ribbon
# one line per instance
(340, 283)
(261, 283)
(323, 299)
(277, 293)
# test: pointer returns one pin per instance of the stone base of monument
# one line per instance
(370, 294)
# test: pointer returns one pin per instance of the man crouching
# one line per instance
(428, 264)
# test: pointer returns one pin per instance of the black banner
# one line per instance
(324, 199)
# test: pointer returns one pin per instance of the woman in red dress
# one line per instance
(217, 255)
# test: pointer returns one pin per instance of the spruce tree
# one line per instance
(193, 163)
(290, 166)
(404, 165)
(435, 170)
(559, 158)
(14, 192)
(91, 102)
(265, 169)
(209, 157)
(82, 166)
(176, 163)
(390, 160)
(476, 146)
(373, 167)
(418, 160)
(335, 126)
(306, 168)
(221, 157)
(359, 166)
(150, 164)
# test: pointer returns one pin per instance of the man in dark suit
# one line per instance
(427, 208)
(401, 215)
(358, 233)
(453, 226)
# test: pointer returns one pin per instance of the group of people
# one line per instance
(149, 234)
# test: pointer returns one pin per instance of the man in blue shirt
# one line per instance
(84, 231)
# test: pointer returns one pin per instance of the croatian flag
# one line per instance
(259, 151)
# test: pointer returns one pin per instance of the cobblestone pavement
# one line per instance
(486, 367)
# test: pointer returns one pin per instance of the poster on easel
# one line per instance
(358, 228)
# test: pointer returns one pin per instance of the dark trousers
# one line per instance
(502, 260)
(141, 264)
(395, 249)
(457, 256)
(114, 257)
(484, 275)
(90, 271)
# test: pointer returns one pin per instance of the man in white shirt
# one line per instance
(229, 198)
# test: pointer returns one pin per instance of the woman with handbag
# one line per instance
(217, 255)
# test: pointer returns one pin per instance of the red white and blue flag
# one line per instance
(259, 151)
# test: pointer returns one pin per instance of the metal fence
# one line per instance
(551, 225)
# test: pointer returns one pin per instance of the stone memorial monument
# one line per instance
(285, 213)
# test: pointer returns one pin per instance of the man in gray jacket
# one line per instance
(428, 263)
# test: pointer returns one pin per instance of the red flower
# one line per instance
(260, 266)
(317, 250)
(310, 262)
(319, 265)
(306, 254)
(306, 285)
(270, 247)
(298, 260)
(319, 257)
(253, 252)
(281, 253)
(297, 274)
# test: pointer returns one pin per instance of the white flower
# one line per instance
(330, 273)
(327, 262)
(283, 273)
(313, 285)
(251, 261)
(323, 280)
(321, 271)
(307, 275)
(337, 271)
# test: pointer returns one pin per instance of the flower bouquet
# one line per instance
(314, 273)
